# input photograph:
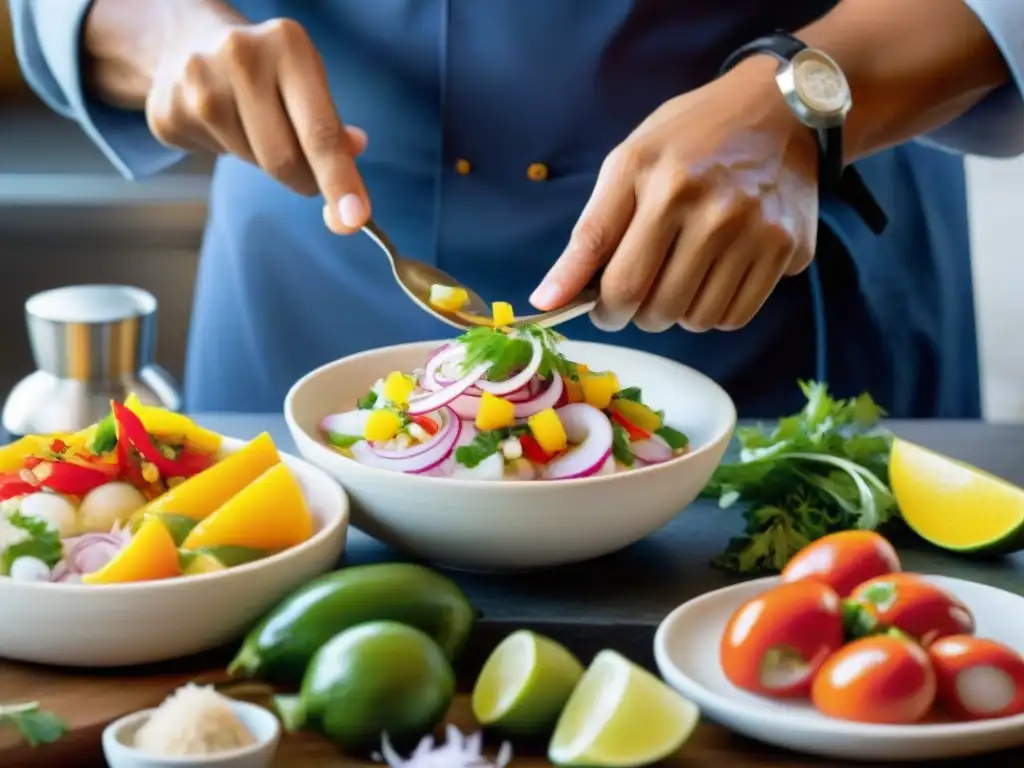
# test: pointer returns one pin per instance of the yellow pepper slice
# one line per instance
(502, 314)
(382, 425)
(398, 387)
(171, 426)
(548, 431)
(637, 414)
(495, 412)
(599, 388)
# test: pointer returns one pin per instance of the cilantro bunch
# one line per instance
(821, 470)
(509, 353)
(36, 726)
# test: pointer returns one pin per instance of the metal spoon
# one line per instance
(415, 278)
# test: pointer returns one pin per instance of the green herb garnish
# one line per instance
(367, 401)
(342, 441)
(486, 444)
(676, 440)
(821, 470)
(630, 393)
(43, 543)
(36, 726)
(511, 352)
(104, 438)
(620, 445)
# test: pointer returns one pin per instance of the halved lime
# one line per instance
(524, 684)
(621, 716)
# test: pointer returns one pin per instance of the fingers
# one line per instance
(318, 127)
(762, 277)
(594, 239)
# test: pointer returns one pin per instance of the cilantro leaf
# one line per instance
(676, 440)
(821, 470)
(35, 725)
(367, 401)
(510, 352)
(620, 445)
(630, 393)
(343, 441)
(484, 444)
(43, 543)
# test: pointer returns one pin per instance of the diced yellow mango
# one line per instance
(448, 298)
(382, 425)
(573, 390)
(502, 314)
(548, 431)
(398, 387)
(637, 414)
(495, 412)
(582, 368)
(599, 388)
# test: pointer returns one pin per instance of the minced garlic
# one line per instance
(193, 720)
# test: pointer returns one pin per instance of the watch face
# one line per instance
(820, 82)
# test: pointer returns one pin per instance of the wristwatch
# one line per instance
(816, 90)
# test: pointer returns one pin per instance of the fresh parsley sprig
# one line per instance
(510, 351)
(821, 470)
(37, 726)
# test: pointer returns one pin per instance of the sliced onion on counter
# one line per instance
(589, 430)
(522, 379)
(653, 450)
(418, 458)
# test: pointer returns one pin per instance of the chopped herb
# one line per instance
(821, 470)
(36, 726)
(486, 444)
(510, 352)
(857, 620)
(43, 542)
(676, 440)
(620, 445)
(343, 441)
(104, 438)
(367, 401)
(630, 393)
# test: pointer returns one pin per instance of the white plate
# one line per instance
(686, 650)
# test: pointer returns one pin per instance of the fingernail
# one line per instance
(352, 211)
(547, 295)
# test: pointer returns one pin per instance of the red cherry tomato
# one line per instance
(775, 642)
(843, 560)
(978, 678)
(913, 605)
(879, 679)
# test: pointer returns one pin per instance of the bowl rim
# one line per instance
(723, 434)
(264, 741)
(234, 443)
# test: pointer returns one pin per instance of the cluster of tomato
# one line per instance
(867, 642)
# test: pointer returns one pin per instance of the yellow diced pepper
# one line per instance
(501, 314)
(448, 298)
(637, 414)
(599, 388)
(168, 425)
(548, 431)
(495, 412)
(382, 425)
(573, 390)
(398, 387)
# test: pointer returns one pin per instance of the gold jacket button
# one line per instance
(537, 172)
(463, 167)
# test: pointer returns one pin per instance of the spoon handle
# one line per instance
(377, 234)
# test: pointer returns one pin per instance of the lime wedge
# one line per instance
(621, 716)
(524, 685)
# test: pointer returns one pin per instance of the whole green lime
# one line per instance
(373, 678)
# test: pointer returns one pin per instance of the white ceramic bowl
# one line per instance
(686, 648)
(123, 624)
(118, 739)
(481, 525)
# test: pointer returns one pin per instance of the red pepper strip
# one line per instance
(193, 462)
(533, 451)
(13, 485)
(131, 426)
(72, 479)
(31, 462)
(428, 424)
(634, 432)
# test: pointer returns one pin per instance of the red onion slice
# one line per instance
(421, 461)
(92, 551)
(431, 401)
(547, 398)
(589, 430)
(444, 418)
(653, 450)
(521, 379)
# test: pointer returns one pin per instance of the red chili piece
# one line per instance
(533, 451)
(131, 427)
(427, 423)
(72, 479)
(634, 432)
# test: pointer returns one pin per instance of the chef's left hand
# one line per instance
(699, 213)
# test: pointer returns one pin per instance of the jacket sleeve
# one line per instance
(47, 39)
(995, 126)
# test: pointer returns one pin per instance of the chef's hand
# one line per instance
(697, 215)
(259, 91)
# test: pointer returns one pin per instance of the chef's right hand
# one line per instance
(259, 91)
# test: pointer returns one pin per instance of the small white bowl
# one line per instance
(119, 625)
(119, 736)
(480, 525)
(686, 648)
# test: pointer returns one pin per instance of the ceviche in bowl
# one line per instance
(511, 448)
(497, 404)
(146, 537)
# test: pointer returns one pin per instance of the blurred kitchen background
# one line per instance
(66, 217)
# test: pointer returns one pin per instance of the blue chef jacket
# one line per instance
(460, 98)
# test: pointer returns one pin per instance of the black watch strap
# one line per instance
(834, 177)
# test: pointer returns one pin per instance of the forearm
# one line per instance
(122, 41)
(913, 65)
